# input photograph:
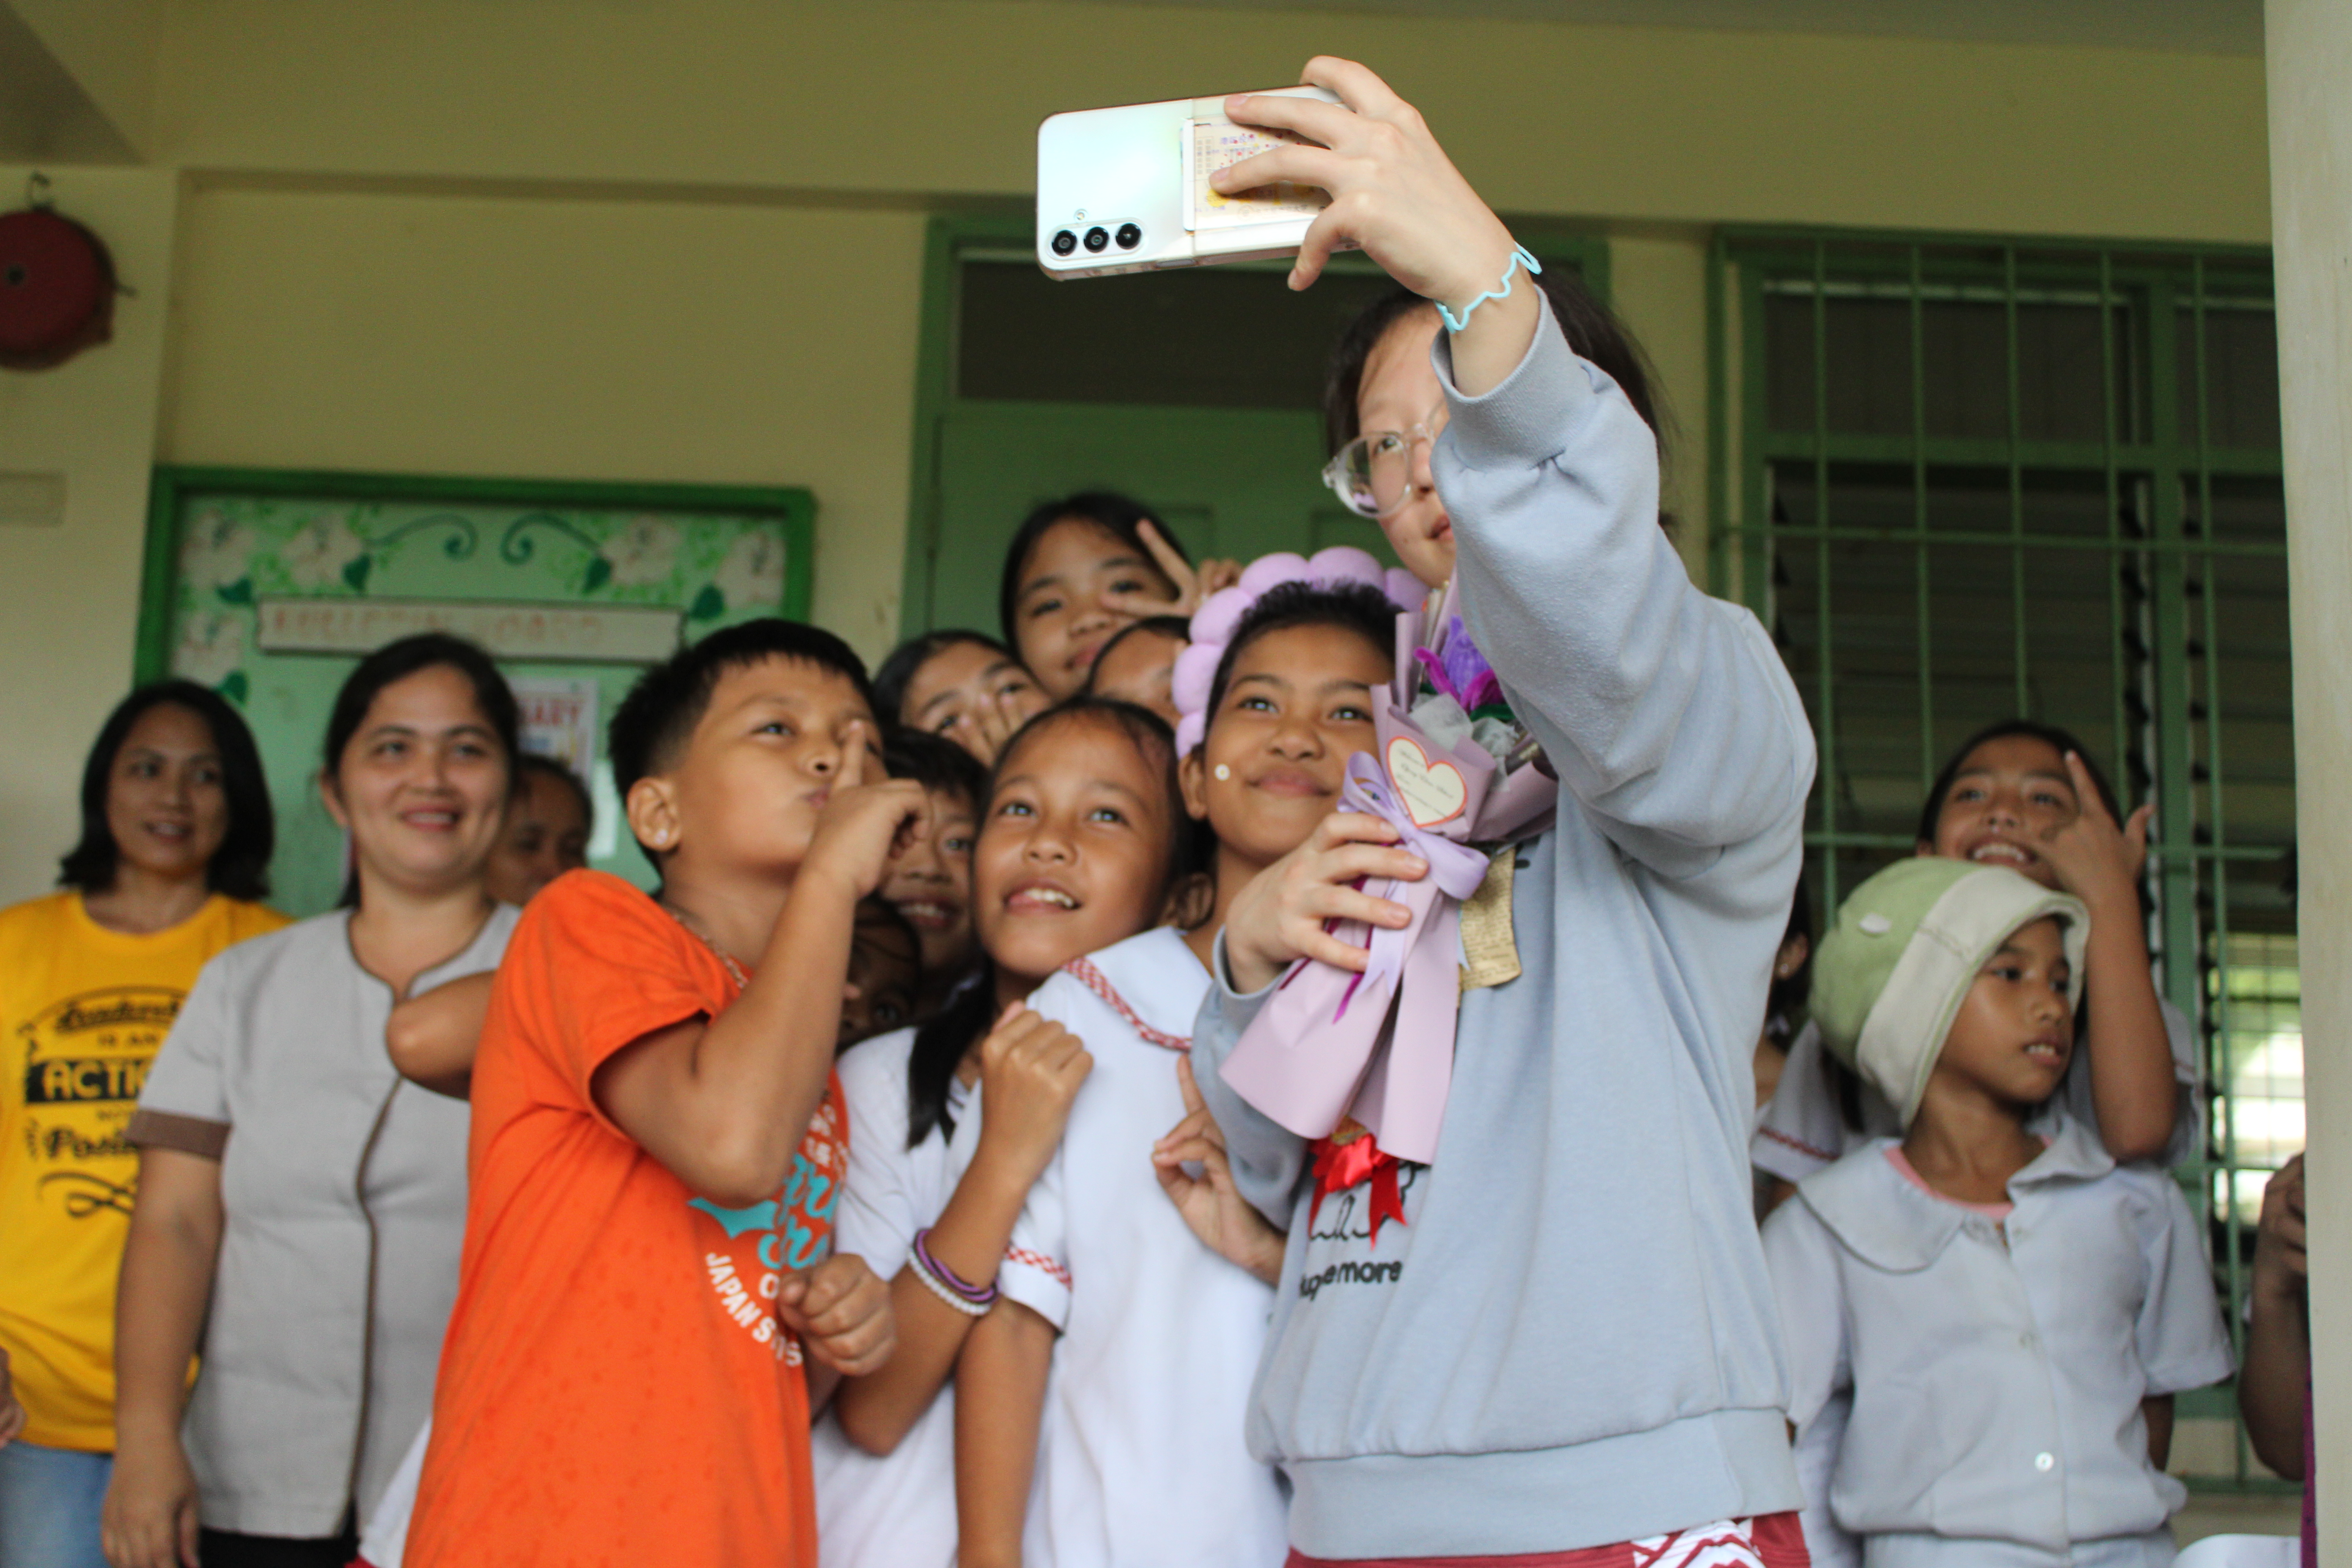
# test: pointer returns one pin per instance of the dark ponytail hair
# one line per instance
(941, 1041)
(240, 866)
(396, 661)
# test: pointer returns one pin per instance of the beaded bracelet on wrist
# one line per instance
(969, 1309)
(941, 1275)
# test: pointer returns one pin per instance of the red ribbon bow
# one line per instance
(1347, 1159)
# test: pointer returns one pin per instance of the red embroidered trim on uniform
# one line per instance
(1046, 1266)
(1799, 1145)
(1088, 975)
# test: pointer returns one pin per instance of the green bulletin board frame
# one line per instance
(225, 545)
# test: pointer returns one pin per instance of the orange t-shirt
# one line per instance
(615, 1387)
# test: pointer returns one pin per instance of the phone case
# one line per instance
(1125, 190)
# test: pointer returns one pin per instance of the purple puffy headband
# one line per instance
(1214, 622)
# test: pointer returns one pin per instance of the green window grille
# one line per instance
(1963, 479)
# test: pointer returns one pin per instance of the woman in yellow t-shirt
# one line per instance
(173, 862)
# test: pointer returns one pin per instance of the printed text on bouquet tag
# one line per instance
(1431, 793)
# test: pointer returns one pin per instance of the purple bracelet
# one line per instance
(978, 1295)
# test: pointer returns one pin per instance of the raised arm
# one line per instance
(150, 1517)
(1031, 1068)
(1666, 713)
(2136, 1089)
(723, 1102)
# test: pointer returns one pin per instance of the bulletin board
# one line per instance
(269, 586)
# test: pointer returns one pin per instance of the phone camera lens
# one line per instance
(1129, 236)
(1096, 238)
(1064, 242)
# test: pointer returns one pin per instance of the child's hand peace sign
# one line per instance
(1193, 583)
(1211, 1206)
(2097, 860)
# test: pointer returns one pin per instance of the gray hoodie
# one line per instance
(1570, 1340)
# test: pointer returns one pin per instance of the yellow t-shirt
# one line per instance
(83, 1011)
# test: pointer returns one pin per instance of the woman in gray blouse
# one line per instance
(301, 1207)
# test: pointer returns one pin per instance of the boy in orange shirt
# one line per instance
(623, 1380)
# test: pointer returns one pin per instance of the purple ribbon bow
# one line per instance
(1456, 869)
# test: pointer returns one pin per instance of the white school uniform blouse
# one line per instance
(898, 1510)
(1990, 1371)
(1141, 1459)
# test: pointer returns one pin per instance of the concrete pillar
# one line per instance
(69, 575)
(2309, 46)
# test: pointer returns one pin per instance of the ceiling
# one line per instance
(2205, 26)
(44, 113)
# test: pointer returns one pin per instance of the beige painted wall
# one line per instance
(683, 241)
(1659, 282)
(69, 589)
(928, 98)
(564, 338)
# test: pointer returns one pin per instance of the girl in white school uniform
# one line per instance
(1077, 847)
(1987, 1316)
(1103, 1400)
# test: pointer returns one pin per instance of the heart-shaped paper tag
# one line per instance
(1432, 792)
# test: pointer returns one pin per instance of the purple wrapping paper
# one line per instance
(1323, 1045)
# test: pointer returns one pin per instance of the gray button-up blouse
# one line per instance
(344, 1188)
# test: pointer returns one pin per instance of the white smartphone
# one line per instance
(1127, 189)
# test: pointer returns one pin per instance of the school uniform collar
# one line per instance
(2075, 1154)
(1891, 1224)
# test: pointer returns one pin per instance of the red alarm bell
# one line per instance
(57, 289)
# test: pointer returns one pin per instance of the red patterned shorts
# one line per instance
(1767, 1541)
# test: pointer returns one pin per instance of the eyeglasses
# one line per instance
(1372, 475)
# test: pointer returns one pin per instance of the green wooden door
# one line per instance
(1195, 391)
(1228, 482)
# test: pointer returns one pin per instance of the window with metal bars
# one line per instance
(1964, 480)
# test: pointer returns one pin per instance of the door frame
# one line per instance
(950, 237)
